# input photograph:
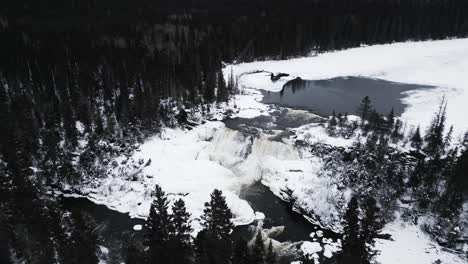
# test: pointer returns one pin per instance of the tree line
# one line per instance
(82, 81)
(431, 169)
(168, 236)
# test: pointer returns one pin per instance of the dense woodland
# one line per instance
(426, 171)
(75, 74)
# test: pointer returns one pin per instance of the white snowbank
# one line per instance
(411, 245)
(442, 63)
(182, 166)
(190, 164)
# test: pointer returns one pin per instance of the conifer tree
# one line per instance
(352, 246)
(390, 119)
(448, 137)
(133, 255)
(364, 109)
(180, 236)
(222, 90)
(258, 250)
(158, 226)
(434, 137)
(416, 140)
(83, 242)
(332, 124)
(217, 223)
(396, 134)
(241, 252)
(217, 216)
(371, 227)
(203, 246)
(270, 256)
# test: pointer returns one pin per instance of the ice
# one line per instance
(441, 63)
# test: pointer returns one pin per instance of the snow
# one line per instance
(319, 233)
(309, 248)
(190, 164)
(248, 104)
(330, 249)
(104, 250)
(411, 245)
(181, 162)
(259, 216)
(442, 63)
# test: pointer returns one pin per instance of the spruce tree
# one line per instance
(331, 128)
(217, 216)
(158, 226)
(371, 227)
(351, 244)
(133, 254)
(222, 90)
(83, 242)
(434, 136)
(396, 134)
(217, 223)
(390, 119)
(241, 253)
(416, 140)
(270, 256)
(181, 240)
(258, 250)
(203, 247)
(365, 109)
(448, 137)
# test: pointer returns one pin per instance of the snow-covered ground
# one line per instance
(191, 163)
(442, 63)
(411, 245)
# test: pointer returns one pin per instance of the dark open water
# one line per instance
(342, 94)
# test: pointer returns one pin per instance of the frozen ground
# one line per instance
(411, 245)
(441, 63)
(191, 163)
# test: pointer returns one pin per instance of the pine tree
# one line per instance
(158, 226)
(258, 250)
(271, 256)
(390, 119)
(416, 140)
(133, 255)
(203, 248)
(222, 90)
(365, 109)
(351, 244)
(460, 173)
(180, 236)
(241, 252)
(331, 128)
(448, 138)
(217, 223)
(434, 136)
(217, 216)
(83, 242)
(371, 227)
(396, 134)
